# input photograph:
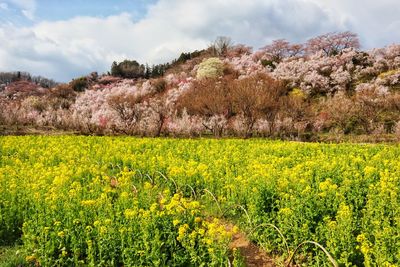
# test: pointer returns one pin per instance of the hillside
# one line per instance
(327, 86)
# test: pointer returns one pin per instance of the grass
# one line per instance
(30, 130)
(11, 257)
(316, 137)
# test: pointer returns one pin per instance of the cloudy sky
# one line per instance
(62, 39)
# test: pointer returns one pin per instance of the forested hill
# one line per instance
(326, 86)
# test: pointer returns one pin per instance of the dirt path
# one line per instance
(253, 255)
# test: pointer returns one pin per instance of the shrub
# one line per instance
(79, 84)
(211, 100)
(160, 85)
(267, 63)
(397, 129)
(256, 97)
(210, 68)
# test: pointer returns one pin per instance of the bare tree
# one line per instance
(210, 99)
(239, 50)
(257, 97)
(128, 109)
(161, 111)
(221, 45)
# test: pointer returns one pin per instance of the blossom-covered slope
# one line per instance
(327, 85)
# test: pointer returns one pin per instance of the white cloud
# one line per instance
(4, 6)
(28, 7)
(373, 20)
(66, 49)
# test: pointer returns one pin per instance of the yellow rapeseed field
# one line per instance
(121, 201)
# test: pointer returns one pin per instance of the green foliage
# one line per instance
(12, 256)
(187, 56)
(131, 69)
(268, 63)
(128, 69)
(238, 260)
(79, 84)
(158, 70)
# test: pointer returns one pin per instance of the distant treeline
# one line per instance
(132, 69)
(9, 77)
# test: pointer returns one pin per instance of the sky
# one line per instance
(65, 39)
